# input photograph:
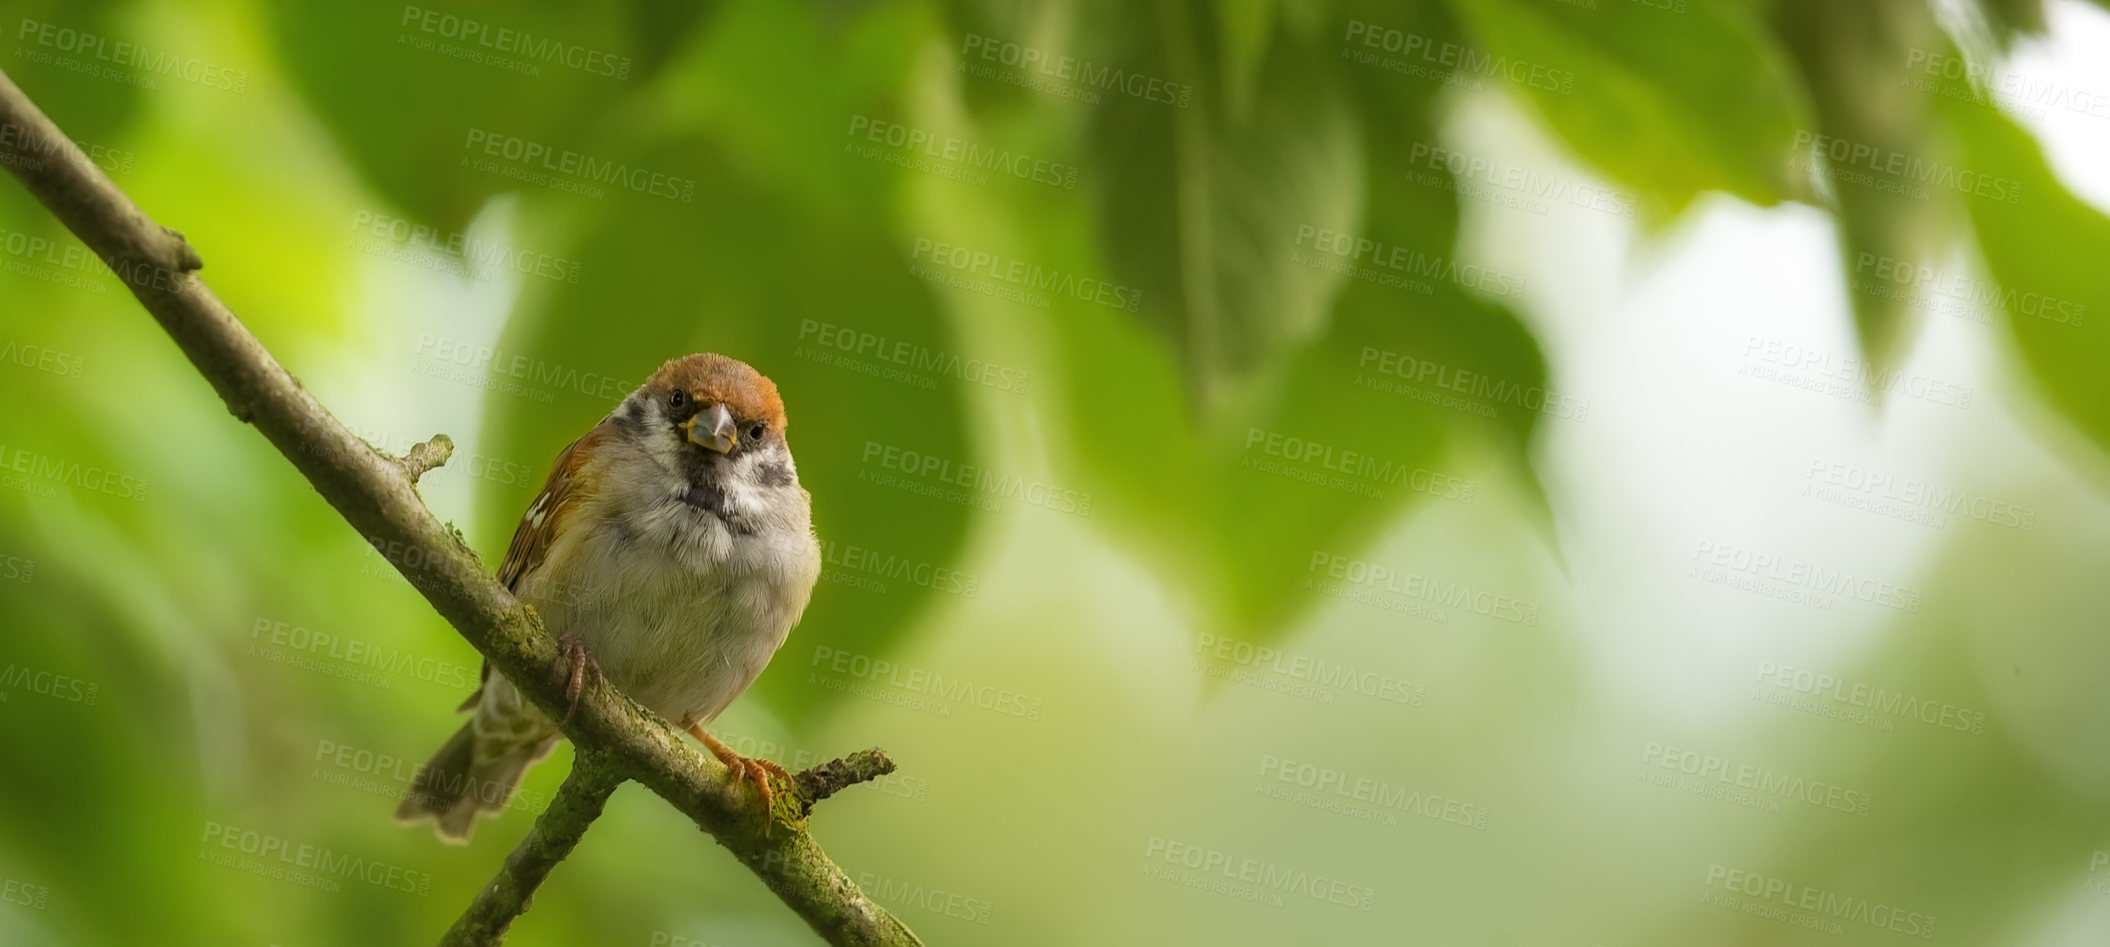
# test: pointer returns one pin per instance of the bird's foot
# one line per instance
(752, 767)
(583, 666)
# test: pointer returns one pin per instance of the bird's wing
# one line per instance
(569, 482)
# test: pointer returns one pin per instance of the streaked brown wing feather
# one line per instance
(569, 482)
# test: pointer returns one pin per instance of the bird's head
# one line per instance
(716, 420)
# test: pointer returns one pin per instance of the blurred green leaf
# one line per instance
(2009, 17)
(1284, 257)
(2059, 312)
(1244, 30)
(658, 28)
(776, 88)
(1852, 57)
(1670, 101)
(1201, 209)
(429, 100)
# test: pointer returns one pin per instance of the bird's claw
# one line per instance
(771, 766)
(753, 768)
(573, 648)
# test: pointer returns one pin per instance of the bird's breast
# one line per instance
(681, 612)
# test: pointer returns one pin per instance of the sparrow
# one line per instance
(671, 552)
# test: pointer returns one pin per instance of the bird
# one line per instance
(671, 551)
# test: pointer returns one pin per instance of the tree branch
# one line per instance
(375, 493)
(426, 455)
(556, 831)
(834, 776)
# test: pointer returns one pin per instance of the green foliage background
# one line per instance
(174, 594)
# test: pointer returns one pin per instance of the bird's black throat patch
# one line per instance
(706, 496)
(710, 498)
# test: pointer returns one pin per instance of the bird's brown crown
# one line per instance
(712, 378)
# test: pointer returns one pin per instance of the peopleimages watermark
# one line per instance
(29, 148)
(925, 682)
(1902, 173)
(1244, 878)
(1909, 499)
(1300, 675)
(41, 470)
(1364, 474)
(1393, 265)
(1793, 579)
(534, 162)
(896, 892)
(454, 252)
(1507, 185)
(1028, 277)
(391, 777)
(121, 61)
(1812, 369)
(25, 894)
(53, 261)
(1781, 899)
(1956, 294)
(965, 160)
(499, 363)
(48, 683)
(2015, 92)
(1935, 73)
(798, 759)
(313, 866)
(477, 464)
(1479, 386)
(862, 567)
(899, 360)
(1744, 784)
(340, 656)
(1855, 702)
(17, 569)
(667, 939)
(930, 475)
(1445, 61)
(2100, 859)
(1081, 79)
(511, 42)
(41, 358)
(1359, 797)
(1418, 587)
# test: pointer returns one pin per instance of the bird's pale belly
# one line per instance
(684, 641)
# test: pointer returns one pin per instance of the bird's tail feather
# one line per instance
(469, 776)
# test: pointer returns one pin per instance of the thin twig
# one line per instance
(426, 455)
(834, 776)
(556, 832)
(373, 493)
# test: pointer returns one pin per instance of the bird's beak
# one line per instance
(714, 428)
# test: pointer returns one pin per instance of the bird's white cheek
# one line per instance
(758, 481)
(657, 438)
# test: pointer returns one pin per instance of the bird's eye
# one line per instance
(677, 399)
(756, 432)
